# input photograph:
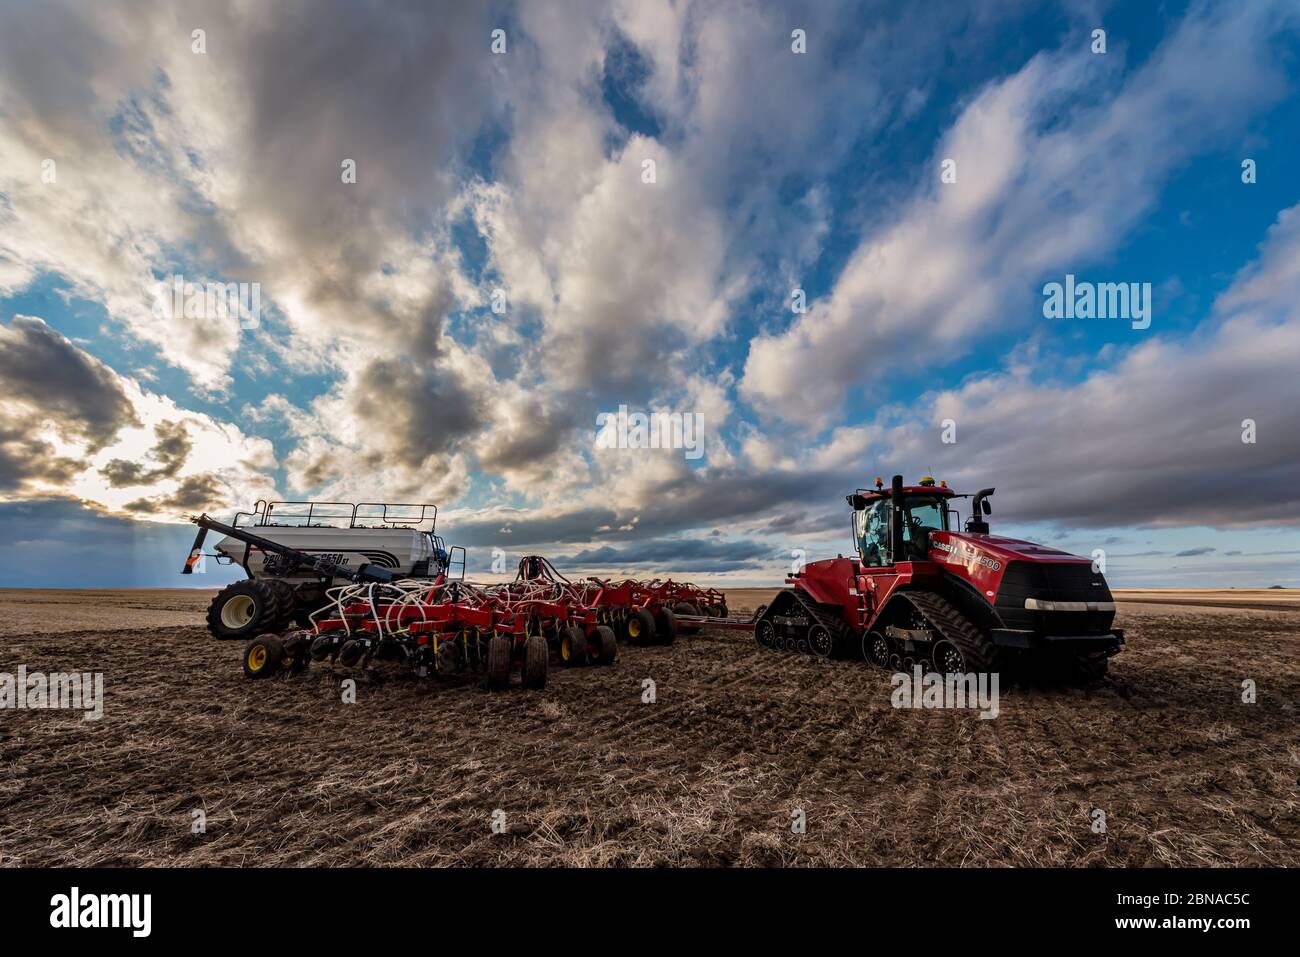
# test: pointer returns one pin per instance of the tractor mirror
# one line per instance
(858, 502)
(988, 509)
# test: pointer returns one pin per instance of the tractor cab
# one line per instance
(924, 509)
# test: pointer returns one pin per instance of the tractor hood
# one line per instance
(991, 552)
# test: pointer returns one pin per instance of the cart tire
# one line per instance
(286, 601)
(243, 611)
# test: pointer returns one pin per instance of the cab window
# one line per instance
(921, 515)
(872, 533)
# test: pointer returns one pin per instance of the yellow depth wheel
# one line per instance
(262, 656)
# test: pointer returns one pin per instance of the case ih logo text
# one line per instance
(966, 552)
(654, 430)
(75, 910)
(37, 691)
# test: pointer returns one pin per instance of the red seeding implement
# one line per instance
(922, 593)
(442, 626)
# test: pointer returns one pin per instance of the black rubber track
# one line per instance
(843, 639)
(952, 625)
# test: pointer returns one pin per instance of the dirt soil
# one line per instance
(738, 741)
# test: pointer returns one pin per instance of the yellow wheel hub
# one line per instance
(257, 657)
(634, 628)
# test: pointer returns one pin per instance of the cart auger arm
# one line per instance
(363, 573)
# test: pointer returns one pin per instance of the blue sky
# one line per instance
(794, 146)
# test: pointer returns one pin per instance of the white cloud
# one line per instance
(1046, 180)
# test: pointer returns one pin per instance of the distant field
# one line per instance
(590, 774)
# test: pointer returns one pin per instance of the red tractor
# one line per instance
(921, 592)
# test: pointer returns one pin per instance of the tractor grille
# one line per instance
(1066, 581)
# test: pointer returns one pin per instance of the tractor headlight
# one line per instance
(1042, 604)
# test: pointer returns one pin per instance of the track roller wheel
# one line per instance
(820, 641)
(573, 646)
(947, 659)
(536, 657)
(498, 667)
(262, 656)
(639, 627)
(875, 648)
(603, 645)
(765, 634)
(665, 631)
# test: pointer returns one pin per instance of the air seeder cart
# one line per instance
(281, 589)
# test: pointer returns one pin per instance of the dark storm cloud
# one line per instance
(81, 395)
(423, 410)
(57, 543)
(539, 428)
(170, 452)
(47, 382)
(194, 493)
(401, 89)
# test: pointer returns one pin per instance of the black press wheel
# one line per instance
(449, 656)
(665, 627)
(602, 645)
(351, 652)
(498, 669)
(536, 656)
(297, 653)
